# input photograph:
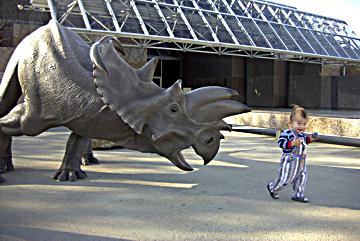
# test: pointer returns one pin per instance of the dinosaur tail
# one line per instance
(10, 90)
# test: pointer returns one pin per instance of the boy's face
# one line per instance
(298, 123)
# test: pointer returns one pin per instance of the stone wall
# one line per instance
(348, 127)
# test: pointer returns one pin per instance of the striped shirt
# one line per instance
(286, 136)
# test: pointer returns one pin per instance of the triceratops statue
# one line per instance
(96, 94)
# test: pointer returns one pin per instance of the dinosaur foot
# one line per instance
(69, 175)
(6, 165)
(2, 179)
(88, 159)
(10, 167)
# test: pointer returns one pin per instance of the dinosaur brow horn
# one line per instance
(209, 104)
(205, 95)
(218, 110)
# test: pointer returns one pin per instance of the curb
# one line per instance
(338, 140)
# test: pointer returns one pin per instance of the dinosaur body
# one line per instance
(96, 94)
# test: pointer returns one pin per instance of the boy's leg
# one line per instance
(285, 173)
(299, 183)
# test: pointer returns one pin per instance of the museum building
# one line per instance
(274, 55)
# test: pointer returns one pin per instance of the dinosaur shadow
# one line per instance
(43, 234)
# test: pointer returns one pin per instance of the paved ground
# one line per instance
(136, 196)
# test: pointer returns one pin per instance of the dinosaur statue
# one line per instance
(96, 94)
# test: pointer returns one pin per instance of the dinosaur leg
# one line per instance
(5, 153)
(88, 157)
(11, 123)
(8, 101)
(2, 179)
(70, 167)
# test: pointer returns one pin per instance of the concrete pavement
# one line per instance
(137, 196)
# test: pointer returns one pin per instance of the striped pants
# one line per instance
(292, 170)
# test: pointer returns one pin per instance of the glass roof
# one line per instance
(251, 28)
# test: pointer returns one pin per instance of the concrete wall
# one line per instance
(326, 99)
(348, 92)
(238, 78)
(260, 82)
(305, 85)
(205, 70)
(5, 53)
(209, 70)
(9, 12)
(281, 83)
(266, 82)
(274, 84)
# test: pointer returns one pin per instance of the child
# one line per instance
(293, 159)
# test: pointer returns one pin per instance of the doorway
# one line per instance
(167, 72)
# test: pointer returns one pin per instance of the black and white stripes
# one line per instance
(292, 164)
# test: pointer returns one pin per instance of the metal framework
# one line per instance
(250, 28)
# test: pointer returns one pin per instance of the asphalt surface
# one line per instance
(139, 196)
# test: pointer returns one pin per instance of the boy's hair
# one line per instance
(297, 110)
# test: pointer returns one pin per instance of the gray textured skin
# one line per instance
(56, 70)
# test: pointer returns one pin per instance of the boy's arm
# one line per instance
(311, 138)
(284, 141)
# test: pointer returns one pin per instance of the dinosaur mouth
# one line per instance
(178, 160)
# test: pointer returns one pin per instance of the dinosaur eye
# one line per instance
(210, 140)
(174, 108)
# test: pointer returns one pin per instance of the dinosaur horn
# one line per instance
(146, 72)
(205, 95)
(218, 110)
(213, 103)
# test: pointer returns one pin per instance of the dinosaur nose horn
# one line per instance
(213, 103)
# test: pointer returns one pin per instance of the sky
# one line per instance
(347, 10)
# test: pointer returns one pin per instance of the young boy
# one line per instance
(293, 159)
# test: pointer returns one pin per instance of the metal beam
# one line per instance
(228, 29)
(213, 34)
(238, 22)
(83, 13)
(256, 15)
(52, 7)
(137, 13)
(250, 17)
(183, 17)
(113, 16)
(171, 34)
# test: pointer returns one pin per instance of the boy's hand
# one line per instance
(312, 139)
(296, 142)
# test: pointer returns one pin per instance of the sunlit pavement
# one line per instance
(139, 196)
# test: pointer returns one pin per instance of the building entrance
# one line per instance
(168, 70)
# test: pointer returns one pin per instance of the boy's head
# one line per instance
(298, 119)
